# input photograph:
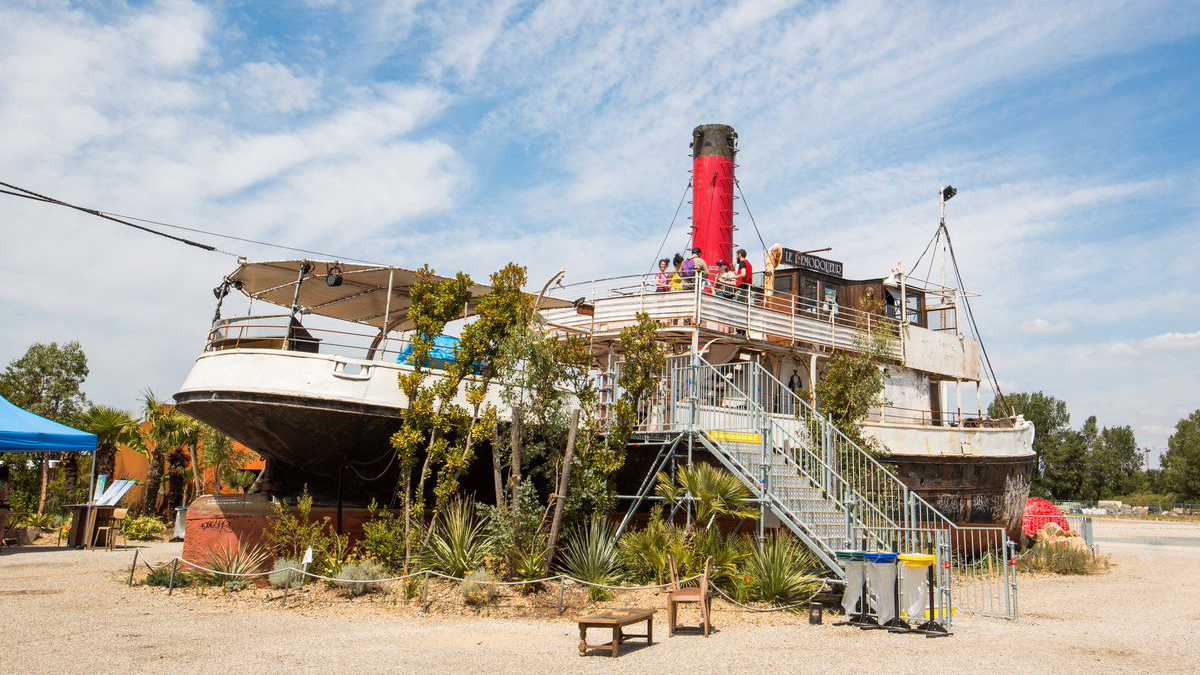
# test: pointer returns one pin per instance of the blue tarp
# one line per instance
(444, 348)
(23, 431)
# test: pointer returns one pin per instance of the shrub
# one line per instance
(728, 551)
(644, 552)
(231, 564)
(383, 539)
(282, 577)
(514, 532)
(591, 556)
(457, 544)
(1054, 557)
(477, 589)
(143, 528)
(358, 578)
(289, 535)
(528, 565)
(776, 571)
(161, 576)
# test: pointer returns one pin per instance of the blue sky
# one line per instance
(555, 134)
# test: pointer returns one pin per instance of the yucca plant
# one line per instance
(458, 544)
(528, 563)
(777, 571)
(644, 552)
(591, 555)
(714, 492)
(230, 564)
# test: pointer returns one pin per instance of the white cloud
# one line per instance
(1044, 327)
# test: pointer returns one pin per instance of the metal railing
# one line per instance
(607, 305)
(826, 488)
(279, 331)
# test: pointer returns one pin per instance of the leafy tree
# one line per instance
(46, 380)
(1181, 463)
(226, 458)
(1112, 460)
(1050, 420)
(852, 383)
(1065, 460)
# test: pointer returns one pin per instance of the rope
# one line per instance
(759, 609)
(434, 573)
(682, 197)
(738, 185)
(30, 194)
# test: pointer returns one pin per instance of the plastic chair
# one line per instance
(701, 594)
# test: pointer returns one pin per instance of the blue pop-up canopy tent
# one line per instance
(23, 431)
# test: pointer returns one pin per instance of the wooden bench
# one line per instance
(616, 619)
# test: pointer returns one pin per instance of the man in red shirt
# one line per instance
(745, 275)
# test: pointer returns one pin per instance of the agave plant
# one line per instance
(230, 564)
(777, 571)
(714, 492)
(591, 556)
(458, 544)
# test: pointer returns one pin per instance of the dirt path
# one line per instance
(69, 612)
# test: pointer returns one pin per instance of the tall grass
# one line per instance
(1058, 558)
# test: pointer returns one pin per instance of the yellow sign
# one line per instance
(722, 436)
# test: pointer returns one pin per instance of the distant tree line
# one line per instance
(1092, 463)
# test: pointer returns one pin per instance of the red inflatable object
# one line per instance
(1038, 512)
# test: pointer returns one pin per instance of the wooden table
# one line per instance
(616, 619)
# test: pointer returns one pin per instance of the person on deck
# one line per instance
(677, 273)
(726, 284)
(662, 280)
(745, 275)
(699, 268)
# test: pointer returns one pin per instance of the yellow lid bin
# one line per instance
(916, 559)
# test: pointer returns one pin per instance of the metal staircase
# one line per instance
(827, 490)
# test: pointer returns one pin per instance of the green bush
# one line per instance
(591, 556)
(143, 528)
(515, 535)
(280, 574)
(161, 576)
(477, 587)
(383, 539)
(358, 578)
(231, 564)
(776, 571)
(644, 552)
(457, 544)
(289, 534)
(1059, 558)
(728, 551)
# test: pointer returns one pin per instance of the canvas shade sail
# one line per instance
(362, 297)
(23, 431)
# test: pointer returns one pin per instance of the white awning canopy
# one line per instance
(362, 297)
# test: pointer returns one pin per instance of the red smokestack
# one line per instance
(713, 148)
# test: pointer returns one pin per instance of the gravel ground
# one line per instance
(68, 611)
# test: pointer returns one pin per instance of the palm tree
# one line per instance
(113, 427)
(170, 431)
(713, 491)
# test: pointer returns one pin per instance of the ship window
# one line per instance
(914, 308)
(783, 283)
(809, 295)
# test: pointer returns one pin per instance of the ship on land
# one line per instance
(307, 376)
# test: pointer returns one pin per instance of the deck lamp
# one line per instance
(334, 277)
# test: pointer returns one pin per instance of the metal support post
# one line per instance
(425, 595)
(174, 568)
(562, 586)
(287, 586)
